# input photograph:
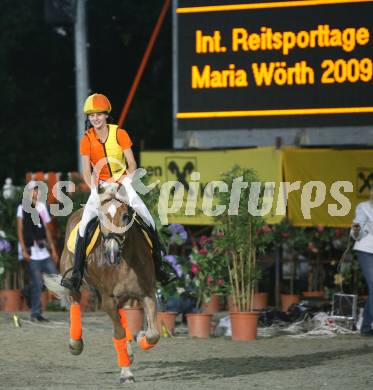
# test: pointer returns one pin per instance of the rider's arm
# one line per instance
(130, 158)
(125, 142)
(86, 170)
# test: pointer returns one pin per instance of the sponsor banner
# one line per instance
(336, 179)
(179, 165)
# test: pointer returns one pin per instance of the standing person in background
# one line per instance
(38, 250)
(362, 233)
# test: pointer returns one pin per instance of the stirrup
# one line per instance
(73, 282)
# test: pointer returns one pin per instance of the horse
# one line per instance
(120, 267)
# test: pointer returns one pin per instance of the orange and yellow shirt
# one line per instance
(111, 150)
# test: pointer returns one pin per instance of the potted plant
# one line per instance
(206, 282)
(10, 277)
(291, 242)
(9, 297)
(211, 276)
(239, 242)
(317, 249)
(171, 295)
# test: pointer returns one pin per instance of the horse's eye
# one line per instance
(124, 218)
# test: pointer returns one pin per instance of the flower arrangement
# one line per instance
(173, 237)
(208, 270)
(348, 277)
(8, 238)
(5, 254)
(200, 274)
(176, 288)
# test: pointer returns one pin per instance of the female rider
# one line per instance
(106, 142)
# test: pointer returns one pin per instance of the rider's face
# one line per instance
(98, 119)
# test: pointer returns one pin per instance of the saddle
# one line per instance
(92, 234)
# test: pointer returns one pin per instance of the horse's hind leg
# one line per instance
(149, 338)
(119, 340)
(76, 342)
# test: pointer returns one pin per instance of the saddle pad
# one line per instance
(72, 239)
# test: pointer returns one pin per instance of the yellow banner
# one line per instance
(179, 165)
(332, 182)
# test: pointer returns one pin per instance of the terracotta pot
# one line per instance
(199, 325)
(260, 301)
(213, 305)
(287, 300)
(167, 319)
(135, 318)
(10, 300)
(244, 325)
(313, 294)
(24, 306)
(44, 299)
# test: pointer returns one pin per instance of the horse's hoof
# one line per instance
(76, 347)
(126, 376)
(127, 381)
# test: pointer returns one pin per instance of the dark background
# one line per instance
(37, 100)
(271, 97)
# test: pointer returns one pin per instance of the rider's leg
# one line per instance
(90, 211)
(129, 195)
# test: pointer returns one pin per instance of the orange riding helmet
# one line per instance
(96, 103)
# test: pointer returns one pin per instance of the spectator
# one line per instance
(37, 249)
(362, 233)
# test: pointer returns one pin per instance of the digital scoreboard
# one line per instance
(271, 64)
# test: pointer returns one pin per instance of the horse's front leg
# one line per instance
(149, 338)
(76, 341)
(120, 340)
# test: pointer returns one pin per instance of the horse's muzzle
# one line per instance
(112, 251)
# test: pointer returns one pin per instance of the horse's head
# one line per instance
(115, 220)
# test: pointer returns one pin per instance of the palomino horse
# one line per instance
(120, 267)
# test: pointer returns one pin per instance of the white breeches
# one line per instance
(129, 196)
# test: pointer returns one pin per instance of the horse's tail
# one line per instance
(53, 283)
